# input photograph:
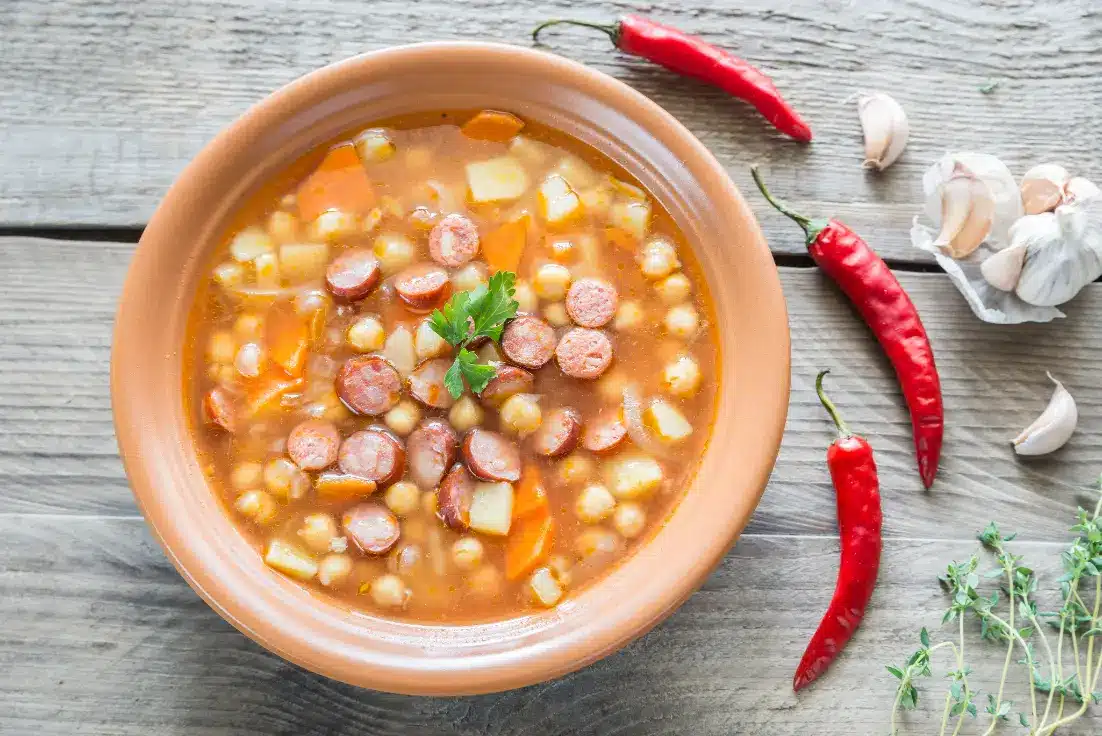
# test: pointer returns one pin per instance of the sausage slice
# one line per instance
(558, 434)
(374, 454)
(426, 383)
(371, 527)
(453, 241)
(431, 450)
(584, 353)
(591, 302)
(508, 381)
(368, 384)
(313, 444)
(528, 341)
(353, 274)
(453, 498)
(422, 286)
(604, 434)
(490, 456)
(218, 409)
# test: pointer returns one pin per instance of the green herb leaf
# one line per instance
(477, 374)
(453, 380)
(1022, 720)
(495, 305)
(452, 323)
(924, 637)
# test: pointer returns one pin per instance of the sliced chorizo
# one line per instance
(453, 498)
(584, 353)
(508, 381)
(558, 434)
(372, 527)
(422, 286)
(528, 342)
(426, 383)
(604, 434)
(430, 451)
(219, 409)
(453, 241)
(591, 302)
(353, 274)
(313, 444)
(491, 456)
(374, 454)
(369, 384)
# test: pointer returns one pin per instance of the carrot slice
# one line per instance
(288, 337)
(269, 390)
(531, 496)
(504, 246)
(339, 182)
(491, 125)
(529, 545)
(620, 238)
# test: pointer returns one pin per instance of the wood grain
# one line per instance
(58, 453)
(105, 103)
(103, 637)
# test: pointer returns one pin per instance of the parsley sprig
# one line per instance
(473, 315)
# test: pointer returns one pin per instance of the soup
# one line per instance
(451, 368)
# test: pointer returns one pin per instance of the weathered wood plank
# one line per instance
(103, 637)
(105, 103)
(58, 453)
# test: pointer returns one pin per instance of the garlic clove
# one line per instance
(1051, 430)
(885, 127)
(1078, 189)
(1042, 188)
(1003, 268)
(967, 213)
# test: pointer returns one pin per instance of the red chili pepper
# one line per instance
(888, 311)
(853, 472)
(690, 56)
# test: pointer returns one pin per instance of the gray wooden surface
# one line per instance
(104, 102)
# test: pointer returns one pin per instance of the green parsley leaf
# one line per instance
(453, 380)
(495, 305)
(452, 324)
(477, 374)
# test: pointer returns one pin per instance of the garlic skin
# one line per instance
(1002, 269)
(1051, 430)
(1042, 188)
(885, 127)
(1063, 252)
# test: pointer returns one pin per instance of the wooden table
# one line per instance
(103, 104)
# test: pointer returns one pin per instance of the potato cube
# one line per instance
(249, 243)
(290, 561)
(267, 271)
(596, 200)
(491, 509)
(666, 421)
(303, 261)
(559, 204)
(282, 226)
(578, 173)
(496, 180)
(544, 587)
(427, 343)
(333, 225)
(631, 216)
(229, 274)
(529, 151)
(632, 476)
(374, 146)
(400, 351)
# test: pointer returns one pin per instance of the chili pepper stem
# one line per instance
(843, 428)
(613, 31)
(811, 228)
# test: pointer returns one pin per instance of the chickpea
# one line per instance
(521, 415)
(562, 250)
(249, 327)
(249, 360)
(267, 271)
(247, 475)
(674, 289)
(283, 227)
(594, 504)
(257, 506)
(366, 334)
(309, 302)
(405, 559)
(551, 281)
(465, 414)
(575, 469)
(629, 316)
(658, 259)
(334, 570)
(317, 531)
(467, 553)
(469, 278)
(250, 243)
(629, 519)
(394, 251)
(221, 348)
(403, 417)
(485, 582)
(525, 297)
(285, 480)
(682, 321)
(389, 591)
(229, 274)
(429, 502)
(556, 315)
(682, 376)
(333, 225)
(596, 542)
(403, 498)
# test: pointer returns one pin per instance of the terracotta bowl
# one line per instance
(216, 560)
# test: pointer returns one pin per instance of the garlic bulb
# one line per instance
(1053, 428)
(1063, 252)
(1043, 188)
(885, 127)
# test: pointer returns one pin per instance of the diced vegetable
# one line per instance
(531, 496)
(632, 476)
(503, 247)
(658, 258)
(491, 125)
(249, 326)
(268, 391)
(559, 203)
(268, 275)
(525, 297)
(629, 519)
(575, 469)
(290, 561)
(492, 508)
(628, 190)
(469, 277)
(620, 238)
(400, 351)
(674, 289)
(250, 360)
(285, 480)
(221, 347)
(249, 243)
(316, 532)
(596, 200)
(374, 146)
(427, 343)
(521, 415)
(257, 506)
(529, 544)
(556, 314)
(229, 274)
(247, 475)
(597, 542)
(342, 487)
(544, 587)
(334, 570)
(629, 316)
(577, 172)
(389, 591)
(496, 180)
(630, 216)
(594, 504)
(303, 261)
(288, 338)
(282, 226)
(666, 421)
(531, 152)
(339, 182)
(333, 225)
